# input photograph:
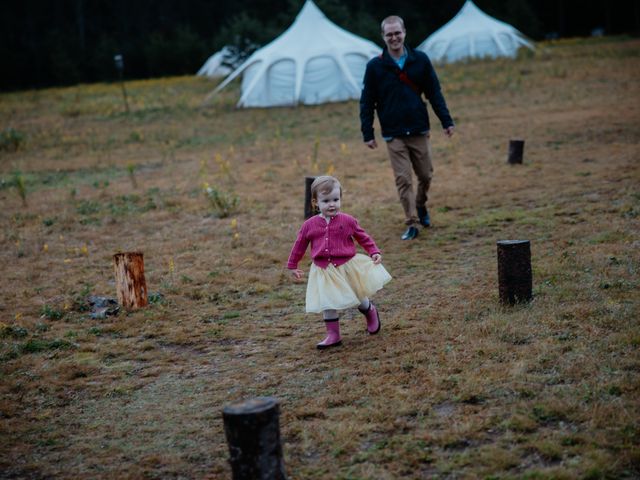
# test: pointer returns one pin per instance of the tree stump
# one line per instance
(309, 209)
(253, 433)
(516, 151)
(131, 286)
(514, 271)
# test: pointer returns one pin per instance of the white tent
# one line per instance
(473, 34)
(314, 61)
(213, 67)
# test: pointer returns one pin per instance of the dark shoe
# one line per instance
(410, 234)
(423, 215)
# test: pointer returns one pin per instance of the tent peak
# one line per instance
(313, 61)
(472, 33)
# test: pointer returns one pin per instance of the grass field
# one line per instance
(454, 386)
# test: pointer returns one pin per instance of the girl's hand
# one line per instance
(297, 274)
(377, 258)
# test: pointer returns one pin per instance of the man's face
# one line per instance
(393, 35)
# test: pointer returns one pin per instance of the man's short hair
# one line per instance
(392, 19)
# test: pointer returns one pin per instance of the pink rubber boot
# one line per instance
(333, 334)
(373, 319)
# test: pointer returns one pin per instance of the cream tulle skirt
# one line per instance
(338, 288)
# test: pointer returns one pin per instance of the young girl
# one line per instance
(339, 277)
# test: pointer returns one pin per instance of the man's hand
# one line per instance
(371, 144)
(449, 131)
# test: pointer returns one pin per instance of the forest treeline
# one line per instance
(62, 42)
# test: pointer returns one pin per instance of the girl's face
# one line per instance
(329, 203)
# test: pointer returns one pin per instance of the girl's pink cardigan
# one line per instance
(331, 242)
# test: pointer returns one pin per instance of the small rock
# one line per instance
(102, 307)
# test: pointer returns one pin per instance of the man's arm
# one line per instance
(435, 97)
(367, 107)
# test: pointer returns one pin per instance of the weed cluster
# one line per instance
(11, 140)
(221, 203)
(21, 187)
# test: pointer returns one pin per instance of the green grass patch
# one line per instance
(609, 237)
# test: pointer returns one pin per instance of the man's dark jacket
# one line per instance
(401, 110)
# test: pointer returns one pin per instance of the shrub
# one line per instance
(11, 140)
(222, 203)
(51, 313)
(19, 182)
(13, 331)
(37, 345)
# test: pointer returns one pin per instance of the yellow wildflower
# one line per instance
(330, 169)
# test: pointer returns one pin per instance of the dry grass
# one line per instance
(455, 386)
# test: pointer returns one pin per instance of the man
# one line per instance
(393, 86)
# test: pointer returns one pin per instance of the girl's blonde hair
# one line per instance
(324, 184)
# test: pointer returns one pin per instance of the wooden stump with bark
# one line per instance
(309, 209)
(516, 151)
(131, 285)
(252, 429)
(514, 271)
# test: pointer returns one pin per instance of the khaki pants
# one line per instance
(407, 154)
